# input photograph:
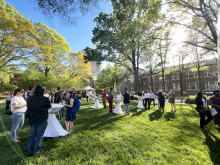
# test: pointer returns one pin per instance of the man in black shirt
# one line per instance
(126, 103)
(139, 93)
(58, 98)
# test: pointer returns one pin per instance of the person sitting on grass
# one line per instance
(161, 101)
(70, 116)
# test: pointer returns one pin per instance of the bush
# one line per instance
(7, 87)
(192, 99)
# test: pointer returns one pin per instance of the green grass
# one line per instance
(145, 137)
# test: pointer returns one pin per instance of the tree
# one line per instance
(199, 16)
(120, 37)
(18, 37)
(109, 77)
(50, 60)
(77, 67)
(65, 8)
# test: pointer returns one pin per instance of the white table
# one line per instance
(97, 104)
(117, 109)
(54, 128)
(140, 102)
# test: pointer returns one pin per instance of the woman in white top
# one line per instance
(19, 107)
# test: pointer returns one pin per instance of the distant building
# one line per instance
(15, 79)
(96, 69)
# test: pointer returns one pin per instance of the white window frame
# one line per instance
(195, 75)
(189, 85)
(161, 87)
(154, 88)
(211, 87)
(15, 76)
(161, 78)
(176, 76)
(208, 71)
(153, 77)
(174, 86)
(14, 82)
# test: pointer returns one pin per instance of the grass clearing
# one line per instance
(144, 137)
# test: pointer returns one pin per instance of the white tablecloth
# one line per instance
(54, 128)
(117, 109)
(140, 102)
(97, 104)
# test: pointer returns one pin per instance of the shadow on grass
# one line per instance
(169, 115)
(212, 141)
(156, 115)
(138, 112)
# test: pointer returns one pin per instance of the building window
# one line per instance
(144, 79)
(211, 85)
(161, 87)
(192, 86)
(149, 80)
(15, 76)
(175, 76)
(176, 86)
(154, 88)
(210, 72)
(191, 75)
(15, 83)
(161, 78)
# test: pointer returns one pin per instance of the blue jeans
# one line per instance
(35, 138)
(104, 104)
(17, 123)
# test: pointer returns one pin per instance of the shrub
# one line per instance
(192, 99)
(7, 87)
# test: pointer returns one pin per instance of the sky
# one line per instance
(78, 36)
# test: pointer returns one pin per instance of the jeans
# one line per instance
(17, 123)
(104, 103)
(35, 138)
(126, 107)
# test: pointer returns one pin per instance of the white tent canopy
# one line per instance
(88, 88)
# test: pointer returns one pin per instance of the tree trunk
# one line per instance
(199, 77)
(181, 76)
(135, 68)
(151, 80)
(163, 79)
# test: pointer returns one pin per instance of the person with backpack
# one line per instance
(71, 105)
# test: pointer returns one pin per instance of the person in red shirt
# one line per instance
(104, 98)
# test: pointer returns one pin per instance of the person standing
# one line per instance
(50, 96)
(132, 95)
(139, 93)
(87, 95)
(203, 109)
(215, 103)
(126, 103)
(151, 98)
(90, 98)
(158, 101)
(37, 115)
(104, 98)
(19, 107)
(147, 100)
(30, 91)
(161, 101)
(70, 116)
(172, 100)
(110, 98)
(8, 100)
(74, 93)
(143, 96)
(58, 98)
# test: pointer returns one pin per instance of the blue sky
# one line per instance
(78, 36)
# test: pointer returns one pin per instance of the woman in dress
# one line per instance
(161, 101)
(19, 107)
(203, 109)
(172, 100)
(70, 116)
(215, 103)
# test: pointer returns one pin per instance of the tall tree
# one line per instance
(18, 37)
(52, 59)
(119, 37)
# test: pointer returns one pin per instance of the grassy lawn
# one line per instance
(145, 137)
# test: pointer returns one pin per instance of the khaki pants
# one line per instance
(90, 102)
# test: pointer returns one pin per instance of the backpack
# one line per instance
(77, 104)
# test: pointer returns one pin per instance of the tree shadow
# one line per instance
(212, 142)
(168, 116)
(156, 115)
(138, 112)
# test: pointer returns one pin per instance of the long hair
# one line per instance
(199, 95)
(17, 90)
(71, 94)
(39, 90)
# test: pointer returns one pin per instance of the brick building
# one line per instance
(15, 79)
(190, 82)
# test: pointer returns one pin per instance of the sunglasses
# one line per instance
(22, 91)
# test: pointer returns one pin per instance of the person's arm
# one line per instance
(48, 103)
(211, 103)
(16, 106)
(71, 103)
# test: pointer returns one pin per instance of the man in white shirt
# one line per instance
(90, 98)
(152, 98)
(147, 100)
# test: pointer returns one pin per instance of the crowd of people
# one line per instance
(33, 106)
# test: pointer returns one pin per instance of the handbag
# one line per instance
(8, 112)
